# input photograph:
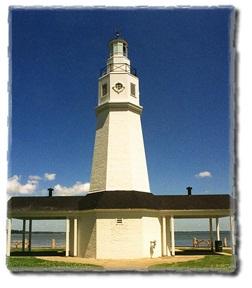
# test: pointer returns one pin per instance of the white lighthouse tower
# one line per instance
(119, 161)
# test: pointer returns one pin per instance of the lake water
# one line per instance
(185, 238)
(181, 238)
(41, 239)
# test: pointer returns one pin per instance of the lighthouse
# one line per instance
(120, 218)
(119, 161)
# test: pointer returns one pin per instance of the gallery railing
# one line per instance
(118, 67)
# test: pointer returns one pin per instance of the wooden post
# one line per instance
(164, 251)
(23, 236)
(75, 237)
(67, 236)
(53, 243)
(30, 235)
(211, 232)
(217, 229)
(172, 236)
(8, 246)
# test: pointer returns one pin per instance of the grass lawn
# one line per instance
(19, 264)
(218, 263)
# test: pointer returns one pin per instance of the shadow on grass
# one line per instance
(194, 252)
(199, 251)
(38, 253)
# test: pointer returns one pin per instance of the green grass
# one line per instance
(34, 264)
(218, 263)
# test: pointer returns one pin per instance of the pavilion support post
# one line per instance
(67, 236)
(211, 233)
(23, 235)
(164, 241)
(232, 232)
(75, 253)
(30, 235)
(8, 246)
(217, 229)
(172, 236)
(168, 236)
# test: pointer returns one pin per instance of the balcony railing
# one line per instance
(118, 67)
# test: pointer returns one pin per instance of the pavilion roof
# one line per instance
(118, 200)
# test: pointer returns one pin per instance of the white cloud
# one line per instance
(34, 178)
(78, 188)
(14, 187)
(203, 174)
(50, 177)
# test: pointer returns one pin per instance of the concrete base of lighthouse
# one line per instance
(119, 235)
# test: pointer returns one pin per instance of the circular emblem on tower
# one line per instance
(118, 88)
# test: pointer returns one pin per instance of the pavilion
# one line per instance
(139, 205)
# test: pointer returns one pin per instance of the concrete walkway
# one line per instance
(123, 265)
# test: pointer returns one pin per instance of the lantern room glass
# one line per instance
(118, 48)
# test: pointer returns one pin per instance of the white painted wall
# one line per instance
(119, 241)
(118, 59)
(87, 235)
(126, 163)
(119, 161)
(104, 238)
(125, 95)
(99, 165)
(139, 171)
(151, 227)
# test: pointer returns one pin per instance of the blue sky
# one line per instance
(182, 57)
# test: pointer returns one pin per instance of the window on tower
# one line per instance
(132, 89)
(124, 50)
(118, 48)
(104, 89)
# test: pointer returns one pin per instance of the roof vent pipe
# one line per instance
(189, 190)
(50, 190)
